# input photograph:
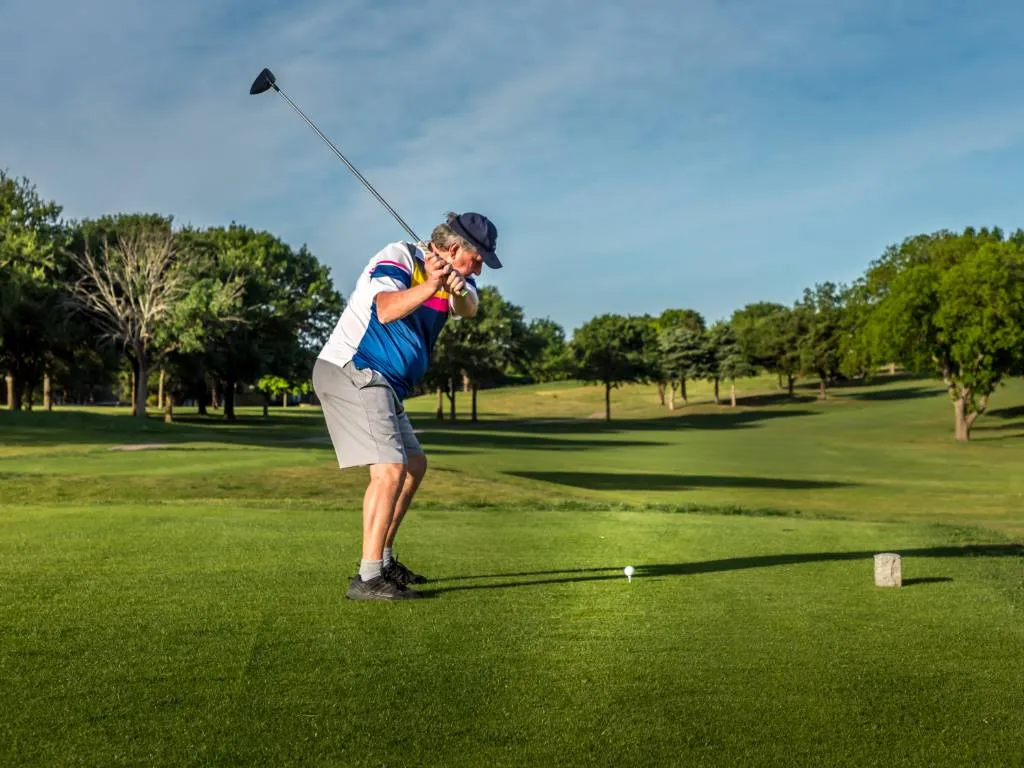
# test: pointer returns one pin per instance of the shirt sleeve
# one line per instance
(391, 270)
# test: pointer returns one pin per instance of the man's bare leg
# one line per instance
(382, 494)
(416, 469)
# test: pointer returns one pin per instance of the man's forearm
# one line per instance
(394, 305)
(465, 306)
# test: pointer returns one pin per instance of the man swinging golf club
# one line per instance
(378, 352)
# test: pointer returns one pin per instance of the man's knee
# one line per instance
(388, 475)
(417, 465)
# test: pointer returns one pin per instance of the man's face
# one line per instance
(465, 261)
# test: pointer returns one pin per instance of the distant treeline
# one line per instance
(131, 307)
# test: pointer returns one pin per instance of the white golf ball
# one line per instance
(629, 570)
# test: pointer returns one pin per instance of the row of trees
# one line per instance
(86, 303)
(948, 305)
(202, 314)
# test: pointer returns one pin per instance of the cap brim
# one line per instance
(489, 257)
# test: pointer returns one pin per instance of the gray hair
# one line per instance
(444, 236)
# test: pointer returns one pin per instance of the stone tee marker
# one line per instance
(888, 570)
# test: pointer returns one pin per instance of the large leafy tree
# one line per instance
(613, 350)
(683, 351)
(481, 350)
(546, 351)
(666, 373)
(822, 341)
(722, 358)
(952, 305)
(755, 334)
(33, 329)
(277, 306)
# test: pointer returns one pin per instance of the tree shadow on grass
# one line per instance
(889, 395)
(776, 398)
(639, 481)
(1013, 412)
(83, 427)
(471, 440)
(727, 419)
(661, 570)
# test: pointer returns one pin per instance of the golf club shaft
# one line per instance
(351, 167)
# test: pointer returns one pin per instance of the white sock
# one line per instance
(388, 556)
(370, 569)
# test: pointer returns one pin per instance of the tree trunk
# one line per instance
(47, 392)
(229, 400)
(963, 429)
(473, 389)
(964, 421)
(789, 381)
(202, 397)
(892, 368)
(822, 392)
(30, 393)
(141, 383)
(607, 401)
(17, 393)
(672, 397)
(160, 388)
(440, 405)
(284, 399)
(451, 398)
(661, 393)
(8, 391)
(266, 405)
(214, 403)
(779, 385)
(169, 408)
(732, 393)
(716, 392)
(132, 387)
(682, 391)
(466, 383)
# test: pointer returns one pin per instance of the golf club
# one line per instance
(264, 81)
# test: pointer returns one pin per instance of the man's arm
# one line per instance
(465, 306)
(394, 305)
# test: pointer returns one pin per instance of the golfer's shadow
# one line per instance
(567, 576)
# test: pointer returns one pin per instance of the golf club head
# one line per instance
(264, 81)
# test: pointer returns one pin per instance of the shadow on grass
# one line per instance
(470, 440)
(1014, 412)
(81, 427)
(888, 395)
(568, 576)
(927, 580)
(638, 481)
(681, 420)
(777, 398)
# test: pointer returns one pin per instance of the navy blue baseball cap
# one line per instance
(480, 232)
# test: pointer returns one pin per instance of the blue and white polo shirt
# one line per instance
(399, 350)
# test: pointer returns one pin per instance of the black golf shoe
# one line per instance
(379, 588)
(400, 574)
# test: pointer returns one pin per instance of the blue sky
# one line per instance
(634, 156)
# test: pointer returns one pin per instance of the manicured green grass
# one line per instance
(183, 605)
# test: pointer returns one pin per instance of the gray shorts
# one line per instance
(367, 422)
